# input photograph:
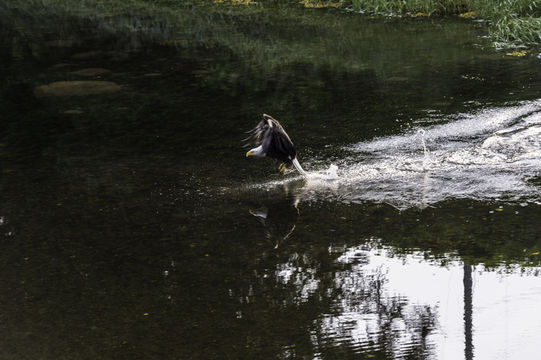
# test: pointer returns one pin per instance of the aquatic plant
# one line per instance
(387, 7)
(236, 2)
(515, 31)
(320, 4)
(467, 15)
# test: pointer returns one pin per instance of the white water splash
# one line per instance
(488, 155)
(332, 172)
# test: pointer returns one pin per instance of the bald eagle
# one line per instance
(272, 141)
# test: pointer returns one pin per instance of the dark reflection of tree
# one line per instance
(308, 275)
(468, 312)
(335, 338)
(356, 316)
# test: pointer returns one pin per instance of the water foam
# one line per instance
(487, 155)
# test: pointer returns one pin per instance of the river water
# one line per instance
(133, 227)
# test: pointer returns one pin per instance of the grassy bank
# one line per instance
(511, 22)
(284, 35)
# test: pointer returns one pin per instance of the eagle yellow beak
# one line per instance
(249, 153)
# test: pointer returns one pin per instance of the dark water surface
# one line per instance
(134, 227)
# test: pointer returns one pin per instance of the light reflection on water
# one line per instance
(387, 303)
(422, 304)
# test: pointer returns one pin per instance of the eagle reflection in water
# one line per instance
(279, 219)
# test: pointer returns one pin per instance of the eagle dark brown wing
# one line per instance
(271, 140)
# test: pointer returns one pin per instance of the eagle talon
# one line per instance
(282, 168)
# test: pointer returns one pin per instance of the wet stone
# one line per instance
(76, 88)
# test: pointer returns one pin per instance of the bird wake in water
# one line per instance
(491, 154)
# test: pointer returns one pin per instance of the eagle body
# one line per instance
(272, 141)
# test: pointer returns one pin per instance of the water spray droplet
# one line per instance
(332, 172)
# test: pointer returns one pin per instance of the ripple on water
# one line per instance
(485, 155)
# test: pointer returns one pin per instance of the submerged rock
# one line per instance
(91, 72)
(76, 88)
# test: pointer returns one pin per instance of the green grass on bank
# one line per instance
(511, 22)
